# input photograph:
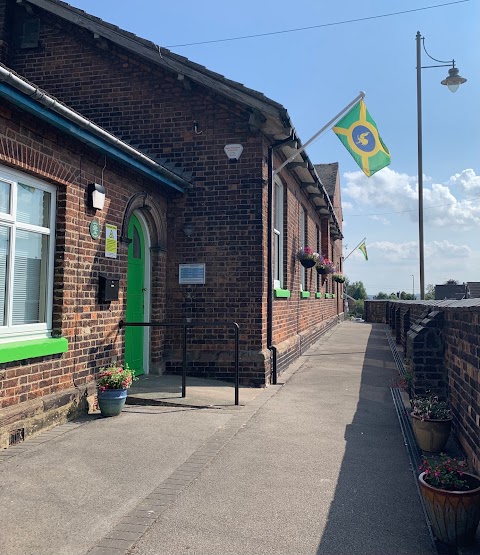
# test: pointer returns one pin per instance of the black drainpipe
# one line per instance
(271, 347)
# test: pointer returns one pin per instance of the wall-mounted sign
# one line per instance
(233, 151)
(95, 229)
(191, 274)
(111, 241)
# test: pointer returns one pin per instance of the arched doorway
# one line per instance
(137, 344)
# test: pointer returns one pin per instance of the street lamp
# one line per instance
(452, 81)
(413, 285)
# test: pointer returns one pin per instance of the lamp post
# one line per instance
(413, 285)
(452, 81)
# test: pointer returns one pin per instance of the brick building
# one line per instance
(205, 231)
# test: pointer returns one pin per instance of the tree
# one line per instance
(357, 290)
(430, 293)
(407, 296)
(451, 282)
(381, 296)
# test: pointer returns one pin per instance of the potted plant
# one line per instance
(452, 499)
(308, 258)
(338, 277)
(431, 421)
(324, 266)
(112, 384)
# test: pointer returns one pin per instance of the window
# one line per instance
(27, 210)
(304, 243)
(278, 225)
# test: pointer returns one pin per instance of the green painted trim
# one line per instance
(21, 350)
(304, 294)
(318, 295)
(328, 295)
(281, 293)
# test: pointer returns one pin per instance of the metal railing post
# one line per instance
(237, 366)
(184, 361)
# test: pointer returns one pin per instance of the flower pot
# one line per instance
(111, 401)
(307, 263)
(454, 515)
(431, 435)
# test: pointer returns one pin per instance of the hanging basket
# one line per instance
(307, 263)
(321, 270)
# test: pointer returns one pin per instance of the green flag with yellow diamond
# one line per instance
(359, 134)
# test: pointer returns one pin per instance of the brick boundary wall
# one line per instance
(461, 359)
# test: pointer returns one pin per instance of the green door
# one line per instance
(134, 336)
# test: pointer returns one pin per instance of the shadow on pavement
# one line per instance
(375, 504)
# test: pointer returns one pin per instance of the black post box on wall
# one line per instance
(107, 288)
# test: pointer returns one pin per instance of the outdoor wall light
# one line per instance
(96, 196)
(188, 229)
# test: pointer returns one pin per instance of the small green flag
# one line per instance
(359, 134)
(363, 248)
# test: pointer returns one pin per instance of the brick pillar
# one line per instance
(425, 349)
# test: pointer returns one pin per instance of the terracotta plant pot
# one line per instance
(431, 435)
(454, 515)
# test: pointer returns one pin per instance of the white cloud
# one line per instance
(388, 193)
(442, 248)
(468, 180)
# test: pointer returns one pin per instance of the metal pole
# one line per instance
(184, 361)
(413, 285)
(420, 166)
(237, 366)
(356, 100)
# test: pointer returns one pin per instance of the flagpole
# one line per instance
(361, 96)
(364, 239)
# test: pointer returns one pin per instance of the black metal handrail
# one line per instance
(185, 326)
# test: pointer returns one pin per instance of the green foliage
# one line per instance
(430, 292)
(445, 473)
(357, 311)
(115, 377)
(430, 408)
(357, 290)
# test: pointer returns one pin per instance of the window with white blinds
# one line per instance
(27, 208)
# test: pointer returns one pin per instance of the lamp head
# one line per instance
(454, 80)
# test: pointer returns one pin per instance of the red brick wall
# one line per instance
(227, 205)
(461, 360)
(91, 329)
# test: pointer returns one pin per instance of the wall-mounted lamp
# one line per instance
(233, 152)
(96, 196)
(188, 229)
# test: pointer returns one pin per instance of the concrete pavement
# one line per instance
(315, 465)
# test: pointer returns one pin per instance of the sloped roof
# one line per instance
(266, 114)
(328, 175)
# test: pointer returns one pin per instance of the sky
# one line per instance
(316, 72)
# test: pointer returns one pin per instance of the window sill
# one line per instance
(304, 294)
(33, 348)
(281, 293)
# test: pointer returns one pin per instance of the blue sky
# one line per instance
(315, 73)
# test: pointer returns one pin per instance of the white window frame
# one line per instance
(278, 234)
(303, 218)
(39, 330)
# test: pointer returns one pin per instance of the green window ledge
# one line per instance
(21, 350)
(281, 293)
(318, 295)
(304, 294)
